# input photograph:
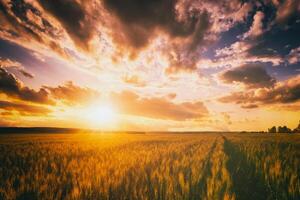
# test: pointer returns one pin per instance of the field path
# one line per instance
(215, 182)
(247, 181)
(200, 187)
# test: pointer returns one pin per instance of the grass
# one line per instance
(149, 166)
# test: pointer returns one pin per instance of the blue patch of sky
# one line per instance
(226, 39)
(230, 36)
(16, 53)
(283, 71)
(51, 72)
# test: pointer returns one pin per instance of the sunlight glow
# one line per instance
(100, 115)
(103, 114)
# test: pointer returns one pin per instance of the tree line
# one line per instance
(284, 129)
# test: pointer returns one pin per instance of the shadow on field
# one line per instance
(28, 195)
(247, 182)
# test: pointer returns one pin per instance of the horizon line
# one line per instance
(50, 129)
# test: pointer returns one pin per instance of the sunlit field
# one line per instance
(149, 166)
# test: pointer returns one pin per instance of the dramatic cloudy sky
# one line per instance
(159, 65)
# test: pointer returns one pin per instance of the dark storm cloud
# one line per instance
(140, 18)
(190, 26)
(251, 75)
(282, 93)
(12, 87)
(73, 18)
(21, 11)
(21, 22)
(23, 109)
(15, 18)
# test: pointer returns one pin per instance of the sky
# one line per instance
(167, 65)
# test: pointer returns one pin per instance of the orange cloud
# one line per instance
(26, 24)
(158, 108)
(22, 109)
(12, 87)
(8, 64)
(257, 26)
(71, 94)
(285, 92)
(134, 80)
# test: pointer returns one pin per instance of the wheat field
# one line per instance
(149, 166)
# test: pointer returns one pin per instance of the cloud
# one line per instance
(285, 92)
(294, 56)
(267, 40)
(289, 107)
(68, 93)
(134, 80)
(74, 18)
(226, 118)
(278, 38)
(249, 106)
(185, 29)
(286, 9)
(12, 87)
(8, 64)
(257, 26)
(180, 62)
(140, 19)
(241, 53)
(71, 94)
(251, 75)
(26, 74)
(236, 48)
(172, 95)
(243, 12)
(22, 109)
(24, 23)
(158, 108)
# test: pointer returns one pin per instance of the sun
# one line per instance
(103, 113)
(100, 115)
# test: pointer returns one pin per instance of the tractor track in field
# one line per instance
(247, 181)
(200, 187)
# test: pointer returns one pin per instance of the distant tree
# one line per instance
(297, 129)
(284, 129)
(272, 130)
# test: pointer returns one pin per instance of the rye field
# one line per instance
(149, 166)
